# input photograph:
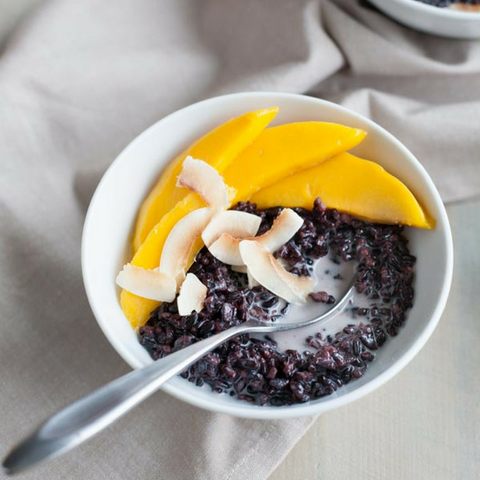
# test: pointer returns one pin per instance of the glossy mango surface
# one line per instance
(349, 184)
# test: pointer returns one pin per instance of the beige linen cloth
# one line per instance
(78, 81)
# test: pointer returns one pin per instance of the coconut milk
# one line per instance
(334, 279)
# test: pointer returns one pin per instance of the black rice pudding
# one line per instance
(256, 370)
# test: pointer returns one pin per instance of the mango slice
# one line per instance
(276, 153)
(350, 184)
(285, 150)
(218, 148)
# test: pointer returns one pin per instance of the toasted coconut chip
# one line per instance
(284, 227)
(192, 295)
(179, 242)
(237, 224)
(226, 249)
(202, 178)
(150, 284)
(266, 270)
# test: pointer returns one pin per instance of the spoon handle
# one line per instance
(81, 420)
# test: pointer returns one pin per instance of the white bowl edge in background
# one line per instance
(443, 22)
(115, 203)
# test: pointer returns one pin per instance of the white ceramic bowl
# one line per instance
(444, 22)
(116, 201)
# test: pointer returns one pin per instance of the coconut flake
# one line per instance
(151, 284)
(202, 178)
(225, 232)
(284, 227)
(237, 224)
(192, 295)
(180, 241)
(226, 249)
(267, 271)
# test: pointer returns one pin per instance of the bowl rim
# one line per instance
(309, 408)
(439, 12)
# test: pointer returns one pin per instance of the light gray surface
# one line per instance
(71, 99)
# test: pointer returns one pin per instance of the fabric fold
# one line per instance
(78, 81)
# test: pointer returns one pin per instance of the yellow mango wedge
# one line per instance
(350, 184)
(286, 149)
(218, 148)
(276, 153)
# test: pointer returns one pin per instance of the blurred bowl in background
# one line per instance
(444, 22)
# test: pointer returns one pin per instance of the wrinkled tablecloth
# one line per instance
(78, 81)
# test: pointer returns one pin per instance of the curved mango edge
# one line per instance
(219, 148)
(136, 309)
(335, 180)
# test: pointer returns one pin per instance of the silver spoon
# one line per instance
(81, 420)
